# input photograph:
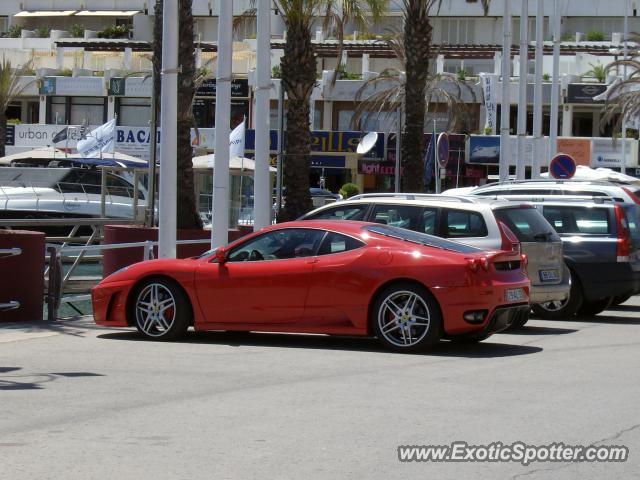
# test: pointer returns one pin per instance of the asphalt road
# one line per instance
(80, 402)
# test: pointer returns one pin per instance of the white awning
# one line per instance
(107, 13)
(45, 13)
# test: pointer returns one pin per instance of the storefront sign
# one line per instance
(369, 167)
(584, 92)
(608, 153)
(72, 86)
(239, 88)
(484, 150)
(130, 86)
(578, 148)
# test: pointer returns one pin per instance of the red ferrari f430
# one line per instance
(405, 288)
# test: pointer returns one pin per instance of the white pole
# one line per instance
(538, 145)
(220, 206)
(262, 194)
(505, 104)
(623, 169)
(398, 169)
(168, 141)
(555, 85)
(522, 89)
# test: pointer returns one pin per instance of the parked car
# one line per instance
(602, 250)
(349, 278)
(483, 223)
(525, 189)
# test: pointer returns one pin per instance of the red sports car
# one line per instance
(334, 277)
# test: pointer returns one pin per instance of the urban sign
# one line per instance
(443, 150)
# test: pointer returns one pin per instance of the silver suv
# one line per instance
(481, 222)
(526, 189)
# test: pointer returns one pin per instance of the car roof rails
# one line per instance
(567, 181)
(417, 196)
(556, 198)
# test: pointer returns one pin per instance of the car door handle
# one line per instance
(312, 260)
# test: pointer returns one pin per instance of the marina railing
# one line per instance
(57, 279)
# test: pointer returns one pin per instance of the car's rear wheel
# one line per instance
(161, 309)
(406, 317)
(561, 309)
(591, 308)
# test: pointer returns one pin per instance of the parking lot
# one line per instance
(85, 402)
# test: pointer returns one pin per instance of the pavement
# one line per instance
(84, 402)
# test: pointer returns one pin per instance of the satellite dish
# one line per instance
(367, 143)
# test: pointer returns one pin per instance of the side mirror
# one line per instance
(220, 256)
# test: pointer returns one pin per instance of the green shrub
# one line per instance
(13, 121)
(14, 31)
(43, 32)
(344, 75)
(276, 72)
(349, 190)
(65, 72)
(76, 30)
(595, 36)
(114, 31)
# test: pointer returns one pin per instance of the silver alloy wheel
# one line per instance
(404, 318)
(155, 310)
(554, 305)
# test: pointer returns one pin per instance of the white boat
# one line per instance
(70, 192)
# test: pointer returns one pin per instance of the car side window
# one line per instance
(343, 212)
(412, 217)
(336, 243)
(461, 223)
(278, 245)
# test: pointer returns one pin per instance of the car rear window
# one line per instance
(577, 219)
(527, 224)
(420, 238)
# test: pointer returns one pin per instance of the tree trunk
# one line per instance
(188, 216)
(298, 78)
(3, 132)
(417, 39)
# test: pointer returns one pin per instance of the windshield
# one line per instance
(421, 238)
(31, 176)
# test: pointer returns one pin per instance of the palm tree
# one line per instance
(623, 97)
(391, 90)
(10, 88)
(298, 67)
(599, 72)
(187, 214)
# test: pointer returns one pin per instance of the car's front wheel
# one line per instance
(161, 309)
(406, 317)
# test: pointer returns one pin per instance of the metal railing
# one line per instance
(6, 253)
(57, 281)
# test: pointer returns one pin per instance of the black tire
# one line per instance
(160, 309)
(619, 299)
(590, 308)
(403, 311)
(562, 309)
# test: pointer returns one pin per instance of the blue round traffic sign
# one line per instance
(562, 166)
(443, 150)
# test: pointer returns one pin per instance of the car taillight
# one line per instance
(475, 264)
(524, 261)
(623, 243)
(509, 240)
(632, 195)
